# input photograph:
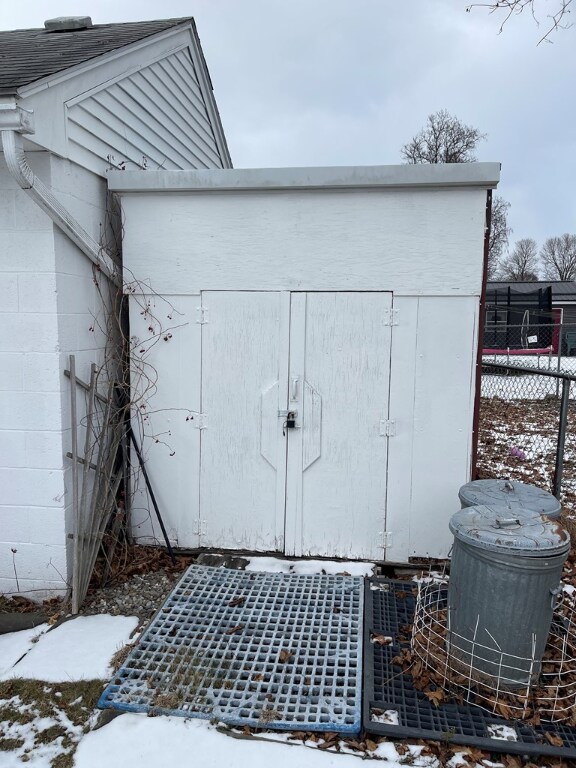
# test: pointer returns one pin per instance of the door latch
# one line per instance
(290, 422)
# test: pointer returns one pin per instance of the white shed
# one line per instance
(323, 331)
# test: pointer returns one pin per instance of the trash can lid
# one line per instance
(509, 493)
(519, 531)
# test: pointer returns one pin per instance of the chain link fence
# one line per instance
(527, 429)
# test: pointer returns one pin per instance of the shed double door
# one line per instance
(318, 488)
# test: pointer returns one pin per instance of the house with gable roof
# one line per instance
(76, 99)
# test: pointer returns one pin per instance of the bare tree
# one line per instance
(444, 139)
(522, 263)
(556, 18)
(558, 256)
(499, 234)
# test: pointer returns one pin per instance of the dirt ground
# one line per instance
(518, 439)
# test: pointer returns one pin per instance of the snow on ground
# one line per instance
(43, 723)
(79, 649)
(307, 567)
(14, 645)
(149, 742)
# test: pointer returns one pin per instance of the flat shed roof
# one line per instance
(483, 175)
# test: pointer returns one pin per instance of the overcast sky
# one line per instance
(347, 82)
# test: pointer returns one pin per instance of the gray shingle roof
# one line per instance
(27, 55)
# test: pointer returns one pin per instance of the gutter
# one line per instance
(16, 122)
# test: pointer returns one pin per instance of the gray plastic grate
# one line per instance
(407, 713)
(275, 650)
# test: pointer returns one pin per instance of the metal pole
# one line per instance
(559, 355)
(152, 497)
(564, 403)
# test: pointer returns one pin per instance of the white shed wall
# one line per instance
(424, 245)
(331, 240)
(432, 402)
(167, 377)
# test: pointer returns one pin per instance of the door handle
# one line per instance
(294, 388)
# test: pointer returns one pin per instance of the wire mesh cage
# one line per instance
(551, 692)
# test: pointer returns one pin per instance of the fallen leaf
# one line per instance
(435, 696)
(285, 656)
(258, 677)
(353, 744)
(371, 746)
(554, 739)
(237, 601)
(473, 756)
(401, 748)
(233, 630)
(504, 710)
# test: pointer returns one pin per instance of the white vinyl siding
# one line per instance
(157, 112)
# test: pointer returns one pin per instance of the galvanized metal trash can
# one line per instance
(511, 494)
(504, 578)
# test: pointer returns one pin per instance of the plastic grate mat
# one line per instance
(272, 650)
(393, 707)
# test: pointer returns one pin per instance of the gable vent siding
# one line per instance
(158, 112)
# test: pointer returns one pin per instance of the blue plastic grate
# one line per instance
(393, 707)
(279, 651)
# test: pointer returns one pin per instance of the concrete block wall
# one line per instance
(49, 308)
(32, 478)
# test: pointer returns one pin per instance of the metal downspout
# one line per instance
(12, 144)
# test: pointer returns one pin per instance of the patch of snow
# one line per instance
(504, 732)
(389, 716)
(146, 741)
(14, 645)
(431, 577)
(309, 567)
(387, 751)
(31, 752)
(569, 588)
(79, 649)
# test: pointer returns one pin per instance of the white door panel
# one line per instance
(244, 373)
(317, 489)
(336, 478)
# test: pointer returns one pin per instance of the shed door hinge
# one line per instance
(387, 428)
(391, 316)
(385, 539)
(202, 315)
(200, 528)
